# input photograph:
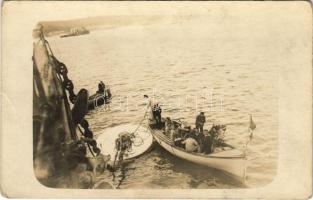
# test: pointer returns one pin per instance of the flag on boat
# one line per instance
(252, 126)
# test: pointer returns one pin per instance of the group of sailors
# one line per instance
(196, 139)
(192, 140)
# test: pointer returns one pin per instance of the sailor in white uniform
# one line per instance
(150, 105)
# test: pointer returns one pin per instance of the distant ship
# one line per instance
(76, 31)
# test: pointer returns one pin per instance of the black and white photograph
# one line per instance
(155, 102)
(161, 96)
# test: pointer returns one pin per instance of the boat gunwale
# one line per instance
(98, 96)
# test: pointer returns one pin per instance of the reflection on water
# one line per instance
(228, 75)
(120, 177)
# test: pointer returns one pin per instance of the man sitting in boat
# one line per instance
(185, 132)
(199, 137)
(212, 140)
(207, 145)
(194, 133)
(191, 145)
(217, 133)
(168, 125)
(177, 133)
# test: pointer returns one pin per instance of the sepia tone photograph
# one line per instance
(154, 102)
(158, 99)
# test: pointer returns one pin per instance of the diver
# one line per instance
(122, 144)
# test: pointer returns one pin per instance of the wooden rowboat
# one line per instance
(98, 100)
(231, 161)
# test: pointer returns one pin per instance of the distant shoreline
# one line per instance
(53, 28)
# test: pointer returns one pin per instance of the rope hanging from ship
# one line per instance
(82, 124)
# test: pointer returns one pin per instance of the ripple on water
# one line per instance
(176, 67)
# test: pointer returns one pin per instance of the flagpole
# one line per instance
(251, 128)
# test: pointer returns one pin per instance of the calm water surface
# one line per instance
(187, 68)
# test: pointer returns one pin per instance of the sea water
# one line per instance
(188, 66)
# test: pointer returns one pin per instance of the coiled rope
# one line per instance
(134, 136)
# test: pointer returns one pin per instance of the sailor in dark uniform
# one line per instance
(200, 120)
(157, 113)
(101, 87)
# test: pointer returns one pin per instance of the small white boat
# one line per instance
(142, 141)
(232, 161)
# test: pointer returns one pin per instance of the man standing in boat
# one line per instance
(149, 109)
(200, 120)
(101, 88)
(157, 113)
(153, 110)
